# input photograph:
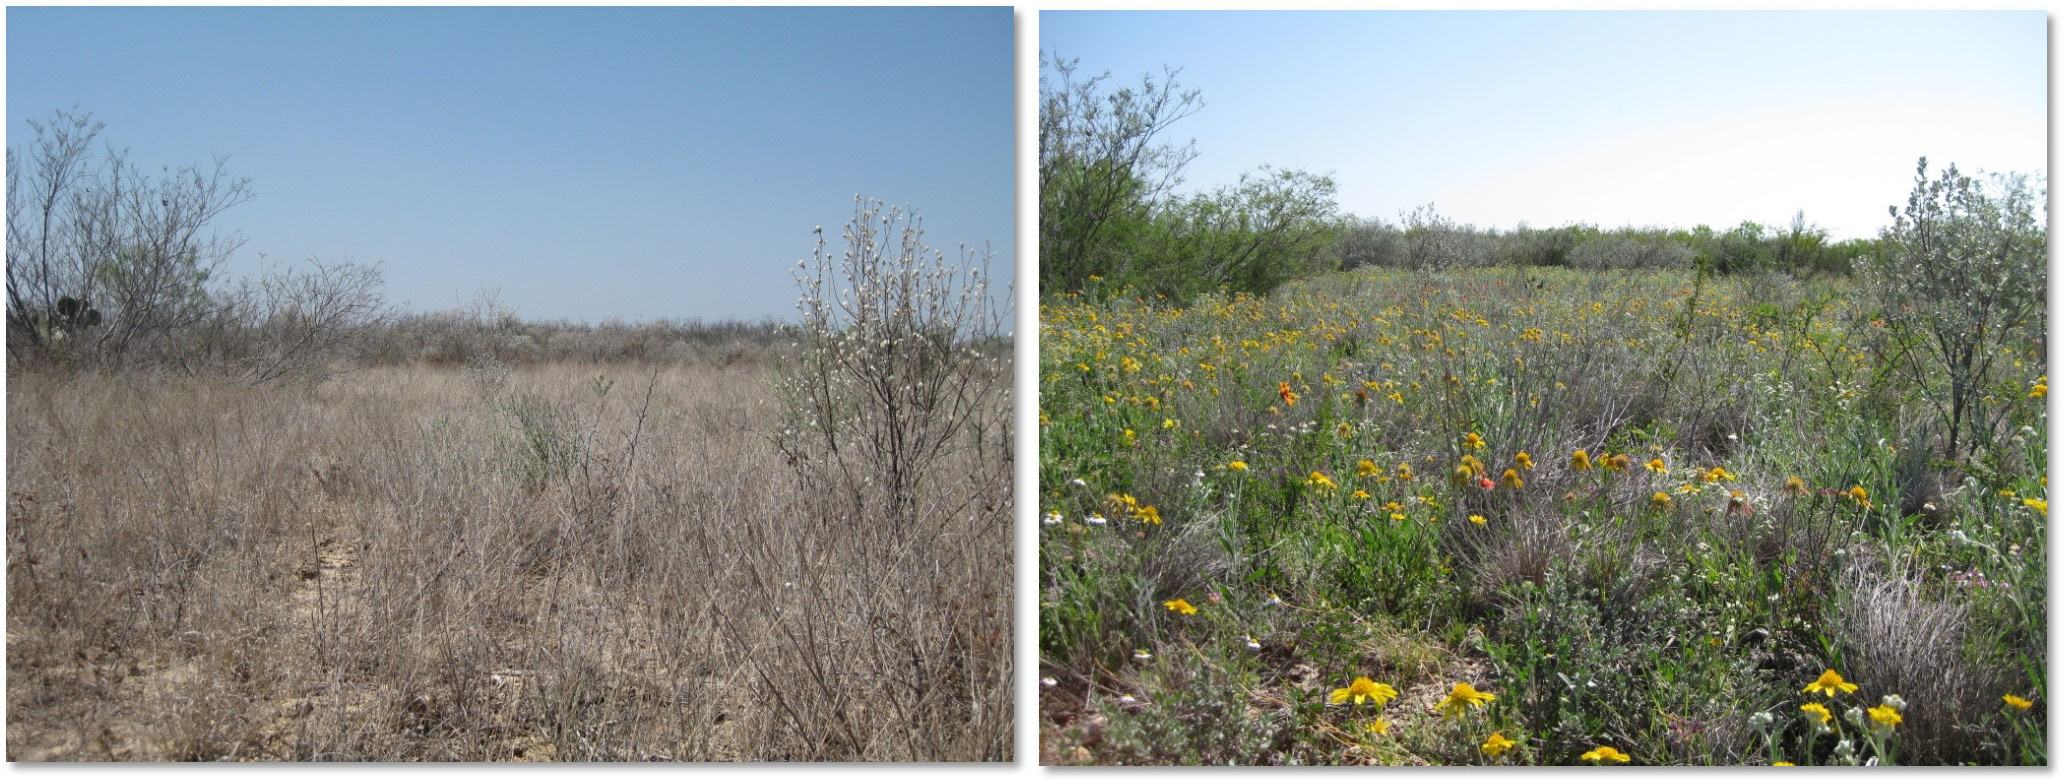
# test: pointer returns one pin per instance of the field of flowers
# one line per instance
(1529, 517)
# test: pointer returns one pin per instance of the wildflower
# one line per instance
(1398, 511)
(1366, 468)
(1662, 501)
(2038, 505)
(1581, 461)
(1460, 697)
(1168, 423)
(1523, 460)
(1181, 606)
(2017, 702)
(1142, 655)
(1404, 472)
(1511, 479)
(1094, 519)
(1379, 725)
(1486, 482)
(1478, 519)
(1361, 689)
(1818, 710)
(1497, 744)
(1274, 601)
(1284, 392)
(2038, 389)
(1473, 441)
(1656, 465)
(1717, 475)
(1238, 466)
(1253, 644)
(1320, 480)
(1049, 683)
(1796, 487)
(1360, 494)
(1462, 475)
(1618, 463)
(1885, 716)
(1051, 519)
(1829, 683)
(1857, 494)
(1783, 763)
(1739, 503)
(1604, 754)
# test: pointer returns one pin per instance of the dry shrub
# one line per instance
(363, 570)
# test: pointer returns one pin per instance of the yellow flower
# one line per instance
(1885, 715)
(1829, 683)
(1783, 763)
(1581, 461)
(1796, 486)
(1656, 465)
(1284, 392)
(1460, 697)
(1497, 744)
(1320, 480)
(2016, 702)
(1473, 441)
(2038, 389)
(1379, 725)
(1148, 514)
(1511, 479)
(1366, 468)
(1523, 460)
(1857, 494)
(1405, 472)
(2038, 505)
(1361, 689)
(1238, 466)
(1168, 423)
(1360, 494)
(1717, 475)
(1618, 463)
(1181, 606)
(1462, 476)
(1662, 501)
(1604, 754)
(1818, 710)
(1478, 519)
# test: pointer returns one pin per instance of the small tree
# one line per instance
(136, 249)
(1103, 168)
(897, 363)
(1960, 274)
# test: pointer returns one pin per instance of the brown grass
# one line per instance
(545, 563)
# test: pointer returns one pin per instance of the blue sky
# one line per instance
(632, 163)
(1612, 118)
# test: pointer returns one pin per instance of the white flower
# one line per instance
(1253, 645)
(1094, 519)
(1049, 683)
(1051, 519)
(1142, 655)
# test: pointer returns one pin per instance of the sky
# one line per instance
(1667, 119)
(584, 164)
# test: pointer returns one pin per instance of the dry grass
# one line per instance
(545, 563)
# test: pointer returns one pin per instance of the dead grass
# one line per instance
(378, 568)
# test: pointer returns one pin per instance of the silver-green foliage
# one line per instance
(1961, 275)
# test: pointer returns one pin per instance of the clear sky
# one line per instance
(1611, 118)
(633, 163)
